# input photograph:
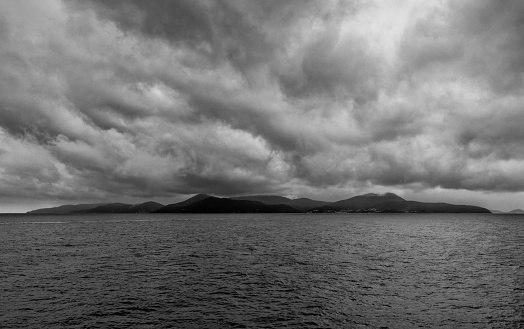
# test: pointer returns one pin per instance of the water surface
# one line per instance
(262, 271)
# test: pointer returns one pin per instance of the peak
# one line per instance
(390, 194)
(387, 194)
(200, 196)
(383, 196)
(150, 203)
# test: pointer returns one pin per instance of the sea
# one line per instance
(262, 271)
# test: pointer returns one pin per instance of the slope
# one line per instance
(66, 209)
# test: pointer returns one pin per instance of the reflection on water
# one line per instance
(262, 271)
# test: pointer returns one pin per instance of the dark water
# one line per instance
(262, 271)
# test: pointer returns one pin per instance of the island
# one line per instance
(204, 203)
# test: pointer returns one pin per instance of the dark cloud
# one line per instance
(135, 99)
(242, 32)
(186, 21)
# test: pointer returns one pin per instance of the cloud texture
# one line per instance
(149, 99)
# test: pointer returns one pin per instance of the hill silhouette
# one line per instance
(302, 204)
(66, 209)
(145, 207)
(392, 203)
(203, 203)
(190, 201)
(365, 201)
(224, 205)
(107, 209)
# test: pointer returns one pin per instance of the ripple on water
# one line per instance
(262, 271)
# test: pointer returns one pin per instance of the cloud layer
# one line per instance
(115, 99)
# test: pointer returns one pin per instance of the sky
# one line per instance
(131, 100)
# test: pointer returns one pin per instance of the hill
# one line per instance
(145, 207)
(66, 209)
(392, 203)
(203, 203)
(425, 207)
(100, 208)
(107, 209)
(516, 211)
(359, 202)
(172, 207)
(302, 204)
(224, 205)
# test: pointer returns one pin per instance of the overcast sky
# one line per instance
(119, 100)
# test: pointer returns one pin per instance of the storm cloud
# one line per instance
(159, 99)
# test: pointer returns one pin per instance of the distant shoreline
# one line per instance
(202, 203)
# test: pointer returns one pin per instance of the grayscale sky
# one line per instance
(122, 100)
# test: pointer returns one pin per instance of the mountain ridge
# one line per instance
(301, 204)
(65, 209)
(172, 207)
(204, 203)
(392, 203)
(226, 205)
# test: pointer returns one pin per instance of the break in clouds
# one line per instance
(110, 99)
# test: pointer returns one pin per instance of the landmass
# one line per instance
(203, 203)
(515, 211)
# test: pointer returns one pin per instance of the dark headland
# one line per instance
(203, 203)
